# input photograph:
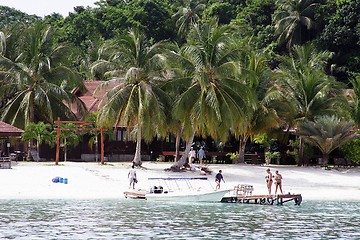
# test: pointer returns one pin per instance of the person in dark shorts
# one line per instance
(269, 180)
(218, 179)
(278, 181)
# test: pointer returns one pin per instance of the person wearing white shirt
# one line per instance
(132, 177)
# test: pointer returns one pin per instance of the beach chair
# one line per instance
(340, 162)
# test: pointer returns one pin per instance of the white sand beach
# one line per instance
(31, 180)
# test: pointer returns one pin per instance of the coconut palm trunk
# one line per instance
(137, 156)
(177, 147)
(243, 139)
(183, 158)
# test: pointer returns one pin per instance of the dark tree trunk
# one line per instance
(325, 159)
(183, 158)
(243, 139)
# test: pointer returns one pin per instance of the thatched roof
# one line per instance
(7, 130)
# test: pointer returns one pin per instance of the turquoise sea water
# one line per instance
(140, 219)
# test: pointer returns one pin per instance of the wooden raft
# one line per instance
(243, 194)
(265, 199)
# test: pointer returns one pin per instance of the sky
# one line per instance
(42, 8)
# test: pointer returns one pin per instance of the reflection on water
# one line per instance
(140, 219)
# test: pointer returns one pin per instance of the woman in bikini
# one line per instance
(269, 180)
(278, 181)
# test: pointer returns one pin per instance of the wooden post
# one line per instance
(57, 142)
(102, 145)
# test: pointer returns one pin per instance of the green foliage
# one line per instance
(69, 137)
(341, 35)
(308, 149)
(81, 27)
(11, 16)
(294, 20)
(40, 132)
(262, 139)
(351, 150)
(254, 20)
(223, 11)
(327, 132)
(234, 156)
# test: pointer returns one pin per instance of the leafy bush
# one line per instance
(351, 150)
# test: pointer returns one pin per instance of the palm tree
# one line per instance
(327, 133)
(41, 132)
(68, 138)
(294, 18)
(136, 101)
(354, 100)
(188, 15)
(256, 74)
(305, 88)
(302, 81)
(214, 98)
(36, 82)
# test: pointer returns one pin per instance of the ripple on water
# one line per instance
(132, 219)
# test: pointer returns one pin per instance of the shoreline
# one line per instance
(33, 180)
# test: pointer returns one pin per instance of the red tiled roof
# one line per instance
(7, 130)
(88, 97)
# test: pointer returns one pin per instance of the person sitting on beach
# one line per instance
(132, 177)
(269, 180)
(218, 179)
(278, 181)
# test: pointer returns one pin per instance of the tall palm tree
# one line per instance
(256, 74)
(36, 80)
(293, 19)
(215, 98)
(136, 99)
(302, 81)
(188, 15)
(327, 133)
(305, 87)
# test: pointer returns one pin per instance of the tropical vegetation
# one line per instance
(191, 68)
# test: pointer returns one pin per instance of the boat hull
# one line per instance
(211, 196)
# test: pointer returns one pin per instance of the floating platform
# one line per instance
(242, 193)
(264, 199)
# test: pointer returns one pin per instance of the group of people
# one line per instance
(277, 181)
(270, 178)
(194, 155)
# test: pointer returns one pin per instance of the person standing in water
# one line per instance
(269, 180)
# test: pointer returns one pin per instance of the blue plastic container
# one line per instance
(61, 180)
(55, 180)
(65, 181)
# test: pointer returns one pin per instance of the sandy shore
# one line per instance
(94, 181)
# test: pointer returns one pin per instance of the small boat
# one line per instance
(180, 189)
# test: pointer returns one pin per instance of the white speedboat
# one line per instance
(183, 189)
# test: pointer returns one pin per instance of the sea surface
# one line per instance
(141, 219)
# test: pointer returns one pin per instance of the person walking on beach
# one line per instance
(201, 155)
(132, 177)
(269, 180)
(218, 179)
(278, 181)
